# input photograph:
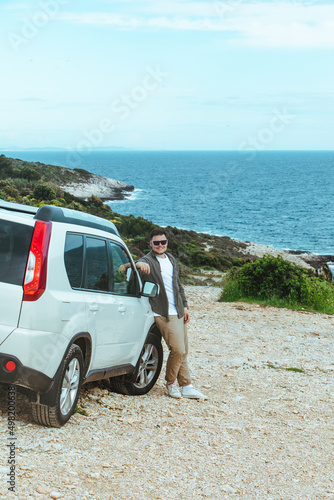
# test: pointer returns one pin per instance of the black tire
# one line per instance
(67, 392)
(150, 363)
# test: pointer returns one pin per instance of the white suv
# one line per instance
(72, 309)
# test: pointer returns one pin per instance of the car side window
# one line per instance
(125, 278)
(74, 259)
(97, 268)
(98, 264)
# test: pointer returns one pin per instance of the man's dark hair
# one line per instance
(157, 232)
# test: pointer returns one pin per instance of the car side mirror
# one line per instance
(150, 289)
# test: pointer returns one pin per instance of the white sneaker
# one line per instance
(173, 390)
(188, 391)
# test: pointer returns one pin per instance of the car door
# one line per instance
(116, 313)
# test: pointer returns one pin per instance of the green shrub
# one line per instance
(83, 172)
(203, 259)
(135, 226)
(319, 295)
(74, 205)
(30, 174)
(6, 168)
(95, 200)
(44, 192)
(10, 190)
(274, 281)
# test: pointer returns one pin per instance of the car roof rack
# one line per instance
(17, 207)
(68, 216)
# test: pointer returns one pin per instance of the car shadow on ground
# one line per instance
(22, 405)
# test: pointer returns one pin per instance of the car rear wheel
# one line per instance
(67, 392)
(148, 370)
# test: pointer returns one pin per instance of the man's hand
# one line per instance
(186, 317)
(144, 267)
(123, 267)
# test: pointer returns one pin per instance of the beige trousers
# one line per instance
(175, 334)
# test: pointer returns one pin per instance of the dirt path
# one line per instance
(266, 431)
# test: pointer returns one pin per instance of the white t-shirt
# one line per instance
(167, 277)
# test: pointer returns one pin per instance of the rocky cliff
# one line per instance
(103, 187)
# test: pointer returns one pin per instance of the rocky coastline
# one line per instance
(110, 189)
(103, 187)
(298, 257)
(77, 186)
(224, 247)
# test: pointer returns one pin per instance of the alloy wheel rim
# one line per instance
(70, 386)
(148, 366)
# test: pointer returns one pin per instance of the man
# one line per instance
(170, 309)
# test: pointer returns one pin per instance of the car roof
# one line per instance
(17, 207)
(61, 214)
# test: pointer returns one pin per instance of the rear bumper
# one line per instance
(23, 376)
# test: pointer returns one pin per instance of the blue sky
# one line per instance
(225, 74)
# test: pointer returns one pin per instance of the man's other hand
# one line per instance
(144, 267)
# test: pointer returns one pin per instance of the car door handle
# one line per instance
(94, 307)
(121, 309)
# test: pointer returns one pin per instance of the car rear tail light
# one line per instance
(35, 276)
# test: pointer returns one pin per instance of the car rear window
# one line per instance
(15, 242)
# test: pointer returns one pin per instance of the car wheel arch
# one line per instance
(82, 340)
(155, 330)
(59, 410)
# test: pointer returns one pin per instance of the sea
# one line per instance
(280, 198)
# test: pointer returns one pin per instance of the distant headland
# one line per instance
(77, 182)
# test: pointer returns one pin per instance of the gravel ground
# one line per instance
(266, 431)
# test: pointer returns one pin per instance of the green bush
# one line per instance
(96, 201)
(9, 189)
(75, 205)
(135, 226)
(202, 259)
(30, 174)
(6, 168)
(274, 281)
(44, 192)
(83, 172)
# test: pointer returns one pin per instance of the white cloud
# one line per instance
(284, 25)
(274, 24)
(292, 35)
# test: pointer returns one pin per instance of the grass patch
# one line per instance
(291, 369)
(297, 370)
(80, 410)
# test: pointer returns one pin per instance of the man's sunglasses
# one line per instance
(162, 242)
